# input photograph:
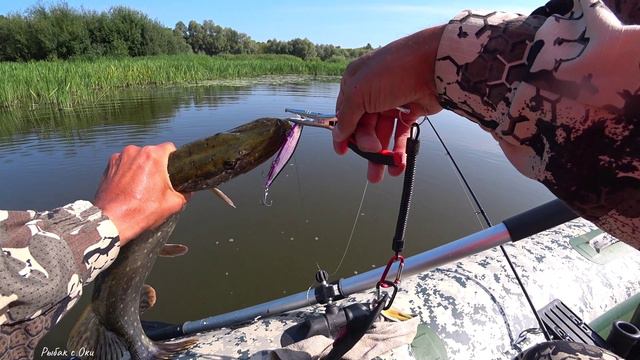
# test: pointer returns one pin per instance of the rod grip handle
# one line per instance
(164, 333)
(538, 219)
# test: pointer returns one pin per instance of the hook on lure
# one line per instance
(264, 201)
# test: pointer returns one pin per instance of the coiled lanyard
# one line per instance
(413, 147)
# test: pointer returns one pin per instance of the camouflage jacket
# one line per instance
(46, 259)
(560, 91)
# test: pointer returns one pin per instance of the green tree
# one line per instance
(302, 48)
(195, 37)
(15, 39)
(61, 32)
(181, 30)
(212, 39)
(326, 52)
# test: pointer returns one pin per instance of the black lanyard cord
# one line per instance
(413, 147)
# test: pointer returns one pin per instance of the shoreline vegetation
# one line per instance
(63, 84)
(60, 56)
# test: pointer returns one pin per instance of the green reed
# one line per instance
(66, 83)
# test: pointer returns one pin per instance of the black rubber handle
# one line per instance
(539, 219)
(384, 157)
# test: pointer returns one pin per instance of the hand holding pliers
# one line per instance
(329, 121)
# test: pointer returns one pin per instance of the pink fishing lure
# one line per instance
(282, 158)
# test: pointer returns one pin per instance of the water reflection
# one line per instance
(143, 108)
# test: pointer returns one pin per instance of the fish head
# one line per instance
(209, 162)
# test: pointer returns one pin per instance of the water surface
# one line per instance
(240, 257)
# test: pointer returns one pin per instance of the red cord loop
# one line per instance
(383, 282)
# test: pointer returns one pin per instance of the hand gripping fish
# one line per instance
(110, 326)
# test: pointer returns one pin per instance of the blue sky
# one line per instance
(345, 23)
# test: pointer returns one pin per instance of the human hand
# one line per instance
(135, 191)
(398, 74)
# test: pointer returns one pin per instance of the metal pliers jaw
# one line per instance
(329, 121)
(310, 118)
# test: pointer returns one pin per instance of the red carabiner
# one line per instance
(383, 282)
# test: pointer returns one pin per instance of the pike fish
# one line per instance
(110, 326)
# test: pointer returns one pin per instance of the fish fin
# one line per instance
(173, 250)
(169, 350)
(147, 298)
(89, 333)
(223, 196)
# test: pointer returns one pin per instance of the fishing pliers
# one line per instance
(329, 121)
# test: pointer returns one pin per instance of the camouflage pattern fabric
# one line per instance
(563, 350)
(560, 92)
(46, 259)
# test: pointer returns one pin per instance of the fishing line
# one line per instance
(466, 194)
(488, 222)
(501, 311)
(294, 164)
(353, 228)
(300, 193)
(312, 287)
(301, 200)
(364, 192)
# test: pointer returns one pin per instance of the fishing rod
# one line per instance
(513, 229)
(485, 217)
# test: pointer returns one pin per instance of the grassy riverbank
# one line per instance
(65, 83)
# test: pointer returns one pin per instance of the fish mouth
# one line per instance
(207, 163)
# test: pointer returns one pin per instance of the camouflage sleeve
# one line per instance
(560, 91)
(48, 256)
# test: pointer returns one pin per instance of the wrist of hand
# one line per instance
(426, 44)
(127, 227)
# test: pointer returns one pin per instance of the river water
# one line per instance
(240, 257)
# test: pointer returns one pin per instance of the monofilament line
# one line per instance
(353, 228)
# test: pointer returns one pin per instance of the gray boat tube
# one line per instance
(515, 228)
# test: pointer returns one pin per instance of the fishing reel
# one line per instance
(346, 325)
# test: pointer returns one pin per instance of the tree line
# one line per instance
(62, 32)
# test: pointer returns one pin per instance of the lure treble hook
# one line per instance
(264, 200)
